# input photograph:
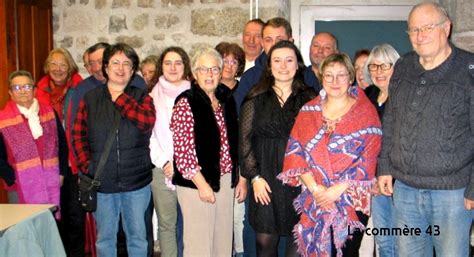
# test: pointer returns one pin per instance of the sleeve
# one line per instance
(244, 87)
(41, 94)
(63, 148)
(297, 158)
(248, 162)
(360, 188)
(79, 138)
(182, 127)
(469, 193)
(142, 114)
(158, 155)
(383, 163)
(6, 171)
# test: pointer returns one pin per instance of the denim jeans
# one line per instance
(383, 215)
(441, 217)
(132, 206)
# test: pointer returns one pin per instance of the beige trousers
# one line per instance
(207, 228)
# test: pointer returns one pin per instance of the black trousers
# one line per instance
(351, 248)
(72, 224)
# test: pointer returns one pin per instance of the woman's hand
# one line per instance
(206, 194)
(261, 190)
(328, 197)
(168, 169)
(241, 190)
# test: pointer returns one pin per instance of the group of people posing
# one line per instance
(316, 150)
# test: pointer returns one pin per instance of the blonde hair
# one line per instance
(340, 58)
(72, 66)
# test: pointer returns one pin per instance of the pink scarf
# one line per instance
(36, 170)
(162, 93)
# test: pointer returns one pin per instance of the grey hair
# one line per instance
(206, 51)
(384, 53)
(440, 9)
(20, 73)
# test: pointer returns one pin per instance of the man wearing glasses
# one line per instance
(33, 148)
(428, 140)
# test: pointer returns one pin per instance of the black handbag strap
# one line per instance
(108, 145)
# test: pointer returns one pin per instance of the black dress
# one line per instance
(264, 130)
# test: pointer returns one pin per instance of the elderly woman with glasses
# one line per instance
(331, 154)
(125, 179)
(204, 127)
(61, 75)
(234, 63)
(377, 71)
(33, 149)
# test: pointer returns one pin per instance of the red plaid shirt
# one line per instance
(141, 115)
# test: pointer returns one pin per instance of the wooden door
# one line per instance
(26, 37)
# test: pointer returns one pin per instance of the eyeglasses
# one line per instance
(55, 65)
(25, 87)
(116, 64)
(383, 66)
(329, 78)
(205, 70)
(92, 63)
(231, 62)
(427, 28)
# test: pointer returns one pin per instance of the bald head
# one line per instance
(323, 44)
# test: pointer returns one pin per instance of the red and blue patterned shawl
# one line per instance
(36, 170)
(347, 155)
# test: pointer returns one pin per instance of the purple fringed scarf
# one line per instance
(37, 180)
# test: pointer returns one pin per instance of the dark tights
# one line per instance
(267, 246)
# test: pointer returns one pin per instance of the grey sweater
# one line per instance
(428, 124)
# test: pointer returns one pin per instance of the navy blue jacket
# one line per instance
(249, 79)
(311, 80)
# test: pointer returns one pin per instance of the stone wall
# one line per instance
(461, 13)
(151, 25)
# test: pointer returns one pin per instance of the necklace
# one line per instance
(329, 124)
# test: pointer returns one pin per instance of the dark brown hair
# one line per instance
(187, 75)
(225, 49)
(267, 80)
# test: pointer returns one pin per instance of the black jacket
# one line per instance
(129, 166)
(207, 137)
